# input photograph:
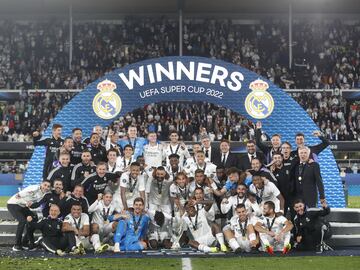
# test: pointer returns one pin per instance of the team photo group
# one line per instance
(109, 194)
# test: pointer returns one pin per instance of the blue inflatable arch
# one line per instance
(190, 79)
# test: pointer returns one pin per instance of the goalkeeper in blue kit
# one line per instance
(132, 228)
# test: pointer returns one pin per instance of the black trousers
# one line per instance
(20, 214)
(65, 242)
(310, 241)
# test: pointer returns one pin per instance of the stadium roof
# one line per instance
(170, 6)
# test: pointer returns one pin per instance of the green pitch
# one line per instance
(303, 263)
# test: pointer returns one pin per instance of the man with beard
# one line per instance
(83, 169)
(54, 197)
(251, 153)
(66, 148)
(78, 146)
(274, 231)
(98, 152)
(240, 233)
(174, 167)
(315, 150)
(283, 177)
(228, 205)
(157, 190)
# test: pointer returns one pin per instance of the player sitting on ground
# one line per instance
(101, 228)
(159, 230)
(274, 231)
(202, 233)
(132, 228)
(240, 233)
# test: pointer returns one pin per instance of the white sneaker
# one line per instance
(117, 247)
(175, 245)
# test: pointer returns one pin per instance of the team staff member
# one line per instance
(53, 239)
(77, 196)
(308, 225)
(83, 169)
(52, 145)
(18, 206)
(267, 150)
(245, 160)
(63, 172)
(97, 182)
(98, 152)
(315, 150)
(78, 146)
(308, 180)
(54, 197)
(226, 158)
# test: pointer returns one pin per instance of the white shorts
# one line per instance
(244, 243)
(105, 229)
(266, 239)
(159, 236)
(208, 240)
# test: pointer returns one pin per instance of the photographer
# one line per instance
(310, 225)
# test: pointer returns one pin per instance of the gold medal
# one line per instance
(106, 222)
(244, 238)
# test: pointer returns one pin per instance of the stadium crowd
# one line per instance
(35, 54)
(336, 118)
(104, 193)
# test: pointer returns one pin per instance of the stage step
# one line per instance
(341, 228)
(5, 215)
(344, 240)
(350, 215)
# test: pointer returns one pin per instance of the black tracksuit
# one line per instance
(98, 153)
(52, 146)
(62, 173)
(77, 175)
(309, 226)
(76, 152)
(94, 184)
(47, 201)
(67, 202)
(53, 237)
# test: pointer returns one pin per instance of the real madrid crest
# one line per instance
(107, 103)
(259, 104)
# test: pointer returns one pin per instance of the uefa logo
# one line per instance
(107, 103)
(259, 103)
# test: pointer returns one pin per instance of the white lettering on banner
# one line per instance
(177, 71)
(198, 90)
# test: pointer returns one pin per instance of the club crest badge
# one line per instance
(107, 104)
(259, 103)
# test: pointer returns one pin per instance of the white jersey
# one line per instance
(78, 223)
(31, 193)
(101, 212)
(198, 225)
(153, 155)
(124, 163)
(172, 173)
(182, 193)
(208, 195)
(183, 153)
(210, 215)
(268, 193)
(208, 168)
(275, 224)
(115, 168)
(233, 201)
(133, 187)
(241, 231)
(159, 192)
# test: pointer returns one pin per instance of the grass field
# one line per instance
(354, 201)
(294, 263)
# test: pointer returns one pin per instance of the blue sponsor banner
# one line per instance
(191, 79)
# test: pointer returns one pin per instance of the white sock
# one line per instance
(233, 244)
(95, 240)
(204, 248)
(220, 238)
